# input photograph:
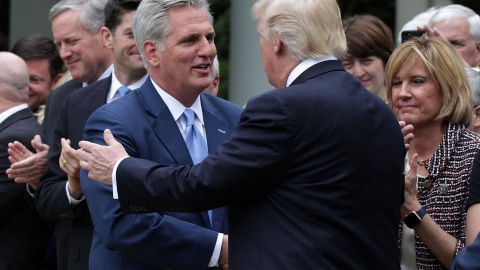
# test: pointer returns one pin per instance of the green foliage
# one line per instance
(221, 14)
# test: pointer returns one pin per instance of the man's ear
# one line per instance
(55, 80)
(477, 46)
(106, 37)
(150, 50)
(279, 47)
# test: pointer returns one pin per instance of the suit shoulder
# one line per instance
(221, 103)
(81, 92)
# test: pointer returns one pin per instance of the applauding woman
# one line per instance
(427, 87)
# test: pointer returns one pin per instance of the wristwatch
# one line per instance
(412, 219)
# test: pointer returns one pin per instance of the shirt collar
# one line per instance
(9, 112)
(304, 65)
(117, 84)
(175, 107)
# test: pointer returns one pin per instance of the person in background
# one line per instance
(45, 68)
(420, 19)
(369, 45)
(427, 88)
(473, 76)
(22, 232)
(213, 88)
(460, 26)
(76, 26)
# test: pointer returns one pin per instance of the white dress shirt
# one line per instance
(9, 112)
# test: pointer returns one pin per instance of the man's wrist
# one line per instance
(75, 191)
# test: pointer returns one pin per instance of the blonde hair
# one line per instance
(446, 69)
(308, 28)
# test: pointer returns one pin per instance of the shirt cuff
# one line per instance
(114, 178)
(72, 200)
(30, 191)
(216, 252)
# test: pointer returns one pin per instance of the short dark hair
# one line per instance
(367, 36)
(36, 47)
(114, 10)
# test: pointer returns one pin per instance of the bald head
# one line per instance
(13, 78)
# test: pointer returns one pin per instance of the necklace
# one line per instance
(424, 162)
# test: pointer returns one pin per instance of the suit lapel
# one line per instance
(162, 122)
(318, 69)
(216, 129)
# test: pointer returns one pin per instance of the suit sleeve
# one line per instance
(244, 168)
(157, 239)
(51, 197)
(12, 194)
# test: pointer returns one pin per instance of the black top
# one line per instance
(474, 196)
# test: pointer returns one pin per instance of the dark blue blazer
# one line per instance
(143, 124)
(469, 257)
(312, 178)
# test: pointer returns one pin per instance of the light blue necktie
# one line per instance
(123, 91)
(197, 147)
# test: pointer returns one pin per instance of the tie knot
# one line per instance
(123, 90)
(189, 116)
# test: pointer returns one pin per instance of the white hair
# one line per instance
(458, 11)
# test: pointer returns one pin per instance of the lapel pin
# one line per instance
(222, 131)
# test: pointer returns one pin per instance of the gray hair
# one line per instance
(458, 11)
(215, 67)
(474, 82)
(420, 19)
(91, 12)
(308, 28)
(151, 21)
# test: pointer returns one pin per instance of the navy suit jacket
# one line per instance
(469, 257)
(143, 124)
(312, 178)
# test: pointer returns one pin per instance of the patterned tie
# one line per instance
(123, 91)
(197, 147)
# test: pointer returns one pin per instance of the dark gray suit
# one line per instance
(22, 232)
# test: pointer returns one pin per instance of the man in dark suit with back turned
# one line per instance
(76, 26)
(22, 232)
(312, 176)
(175, 39)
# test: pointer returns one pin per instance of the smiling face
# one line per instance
(125, 51)
(182, 65)
(81, 51)
(41, 82)
(368, 70)
(416, 97)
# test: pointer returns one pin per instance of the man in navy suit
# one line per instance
(312, 175)
(148, 123)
